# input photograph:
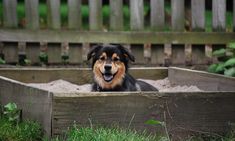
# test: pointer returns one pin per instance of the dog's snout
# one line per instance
(107, 67)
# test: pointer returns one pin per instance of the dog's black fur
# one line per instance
(110, 70)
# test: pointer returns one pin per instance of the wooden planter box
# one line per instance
(185, 113)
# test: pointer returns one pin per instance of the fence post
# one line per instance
(74, 14)
(116, 14)
(137, 14)
(10, 13)
(95, 15)
(157, 15)
(53, 17)
(198, 15)
(31, 14)
(219, 15)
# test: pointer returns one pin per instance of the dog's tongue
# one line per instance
(108, 77)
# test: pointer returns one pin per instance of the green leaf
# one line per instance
(2, 61)
(230, 62)
(220, 68)
(231, 45)
(154, 122)
(10, 107)
(219, 52)
(212, 68)
(230, 72)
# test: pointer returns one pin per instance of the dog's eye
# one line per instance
(115, 59)
(102, 58)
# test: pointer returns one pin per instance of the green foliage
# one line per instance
(77, 133)
(226, 58)
(43, 57)
(2, 61)
(13, 130)
(11, 113)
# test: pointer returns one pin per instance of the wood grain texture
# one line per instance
(185, 113)
(10, 13)
(56, 36)
(177, 15)
(203, 80)
(137, 15)
(53, 17)
(95, 15)
(74, 14)
(198, 15)
(36, 104)
(32, 14)
(76, 75)
(116, 15)
(157, 15)
(219, 15)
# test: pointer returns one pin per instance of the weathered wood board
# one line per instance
(185, 113)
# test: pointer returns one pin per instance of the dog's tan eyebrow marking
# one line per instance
(103, 55)
(115, 56)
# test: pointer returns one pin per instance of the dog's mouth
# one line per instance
(108, 77)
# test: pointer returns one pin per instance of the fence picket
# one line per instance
(53, 16)
(31, 14)
(74, 14)
(116, 15)
(10, 13)
(198, 15)
(157, 15)
(219, 15)
(95, 15)
(137, 14)
(177, 15)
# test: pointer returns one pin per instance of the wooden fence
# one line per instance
(150, 44)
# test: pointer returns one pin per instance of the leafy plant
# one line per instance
(43, 57)
(161, 123)
(226, 58)
(2, 61)
(65, 58)
(12, 113)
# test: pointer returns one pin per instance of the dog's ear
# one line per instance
(93, 51)
(126, 53)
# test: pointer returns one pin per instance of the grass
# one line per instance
(105, 134)
(24, 131)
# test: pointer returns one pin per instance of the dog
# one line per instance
(110, 69)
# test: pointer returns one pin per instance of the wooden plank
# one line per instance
(31, 14)
(53, 17)
(177, 15)
(208, 53)
(147, 54)
(10, 13)
(73, 75)
(95, 15)
(10, 52)
(36, 104)
(74, 14)
(188, 54)
(157, 16)
(182, 112)
(54, 53)
(116, 15)
(32, 51)
(198, 15)
(219, 15)
(167, 55)
(203, 80)
(7, 35)
(85, 50)
(137, 14)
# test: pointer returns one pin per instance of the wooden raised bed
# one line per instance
(211, 111)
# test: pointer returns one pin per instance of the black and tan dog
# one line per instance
(110, 70)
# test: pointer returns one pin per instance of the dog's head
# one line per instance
(109, 64)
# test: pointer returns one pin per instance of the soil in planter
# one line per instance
(62, 86)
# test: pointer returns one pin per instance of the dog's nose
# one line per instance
(107, 67)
